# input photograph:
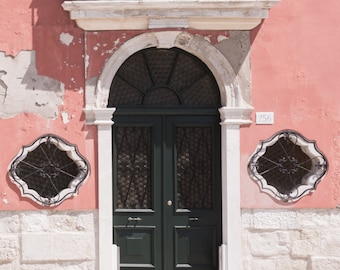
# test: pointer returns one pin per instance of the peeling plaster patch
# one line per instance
(81, 90)
(106, 52)
(66, 38)
(4, 200)
(116, 42)
(221, 37)
(65, 117)
(26, 91)
(207, 39)
(96, 47)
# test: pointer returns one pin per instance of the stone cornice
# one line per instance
(205, 15)
(99, 116)
(235, 116)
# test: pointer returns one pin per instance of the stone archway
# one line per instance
(228, 81)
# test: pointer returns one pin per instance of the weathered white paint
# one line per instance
(212, 15)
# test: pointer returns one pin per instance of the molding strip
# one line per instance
(142, 15)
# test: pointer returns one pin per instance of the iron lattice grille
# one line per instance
(288, 165)
(133, 167)
(158, 77)
(49, 171)
(194, 167)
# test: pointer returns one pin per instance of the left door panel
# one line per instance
(137, 185)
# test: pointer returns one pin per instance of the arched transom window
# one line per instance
(170, 77)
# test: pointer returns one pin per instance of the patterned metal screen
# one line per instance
(49, 170)
(194, 167)
(156, 77)
(287, 165)
(133, 167)
(284, 165)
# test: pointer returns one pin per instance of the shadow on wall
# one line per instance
(35, 79)
(58, 42)
(239, 41)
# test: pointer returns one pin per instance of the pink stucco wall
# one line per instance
(294, 65)
(295, 60)
(37, 25)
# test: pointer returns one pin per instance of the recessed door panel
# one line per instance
(193, 247)
(136, 246)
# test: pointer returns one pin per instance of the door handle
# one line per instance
(136, 219)
(194, 219)
(133, 219)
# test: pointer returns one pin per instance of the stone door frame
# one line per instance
(234, 113)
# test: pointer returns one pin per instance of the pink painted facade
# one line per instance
(38, 26)
(293, 66)
(294, 63)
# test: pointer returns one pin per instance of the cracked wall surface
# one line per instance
(22, 89)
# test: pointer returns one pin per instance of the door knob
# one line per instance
(169, 202)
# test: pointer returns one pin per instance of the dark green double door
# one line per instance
(167, 196)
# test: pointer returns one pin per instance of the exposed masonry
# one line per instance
(305, 239)
(50, 240)
(23, 90)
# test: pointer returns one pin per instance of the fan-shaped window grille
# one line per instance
(49, 170)
(287, 166)
(158, 77)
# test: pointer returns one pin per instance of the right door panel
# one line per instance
(194, 219)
